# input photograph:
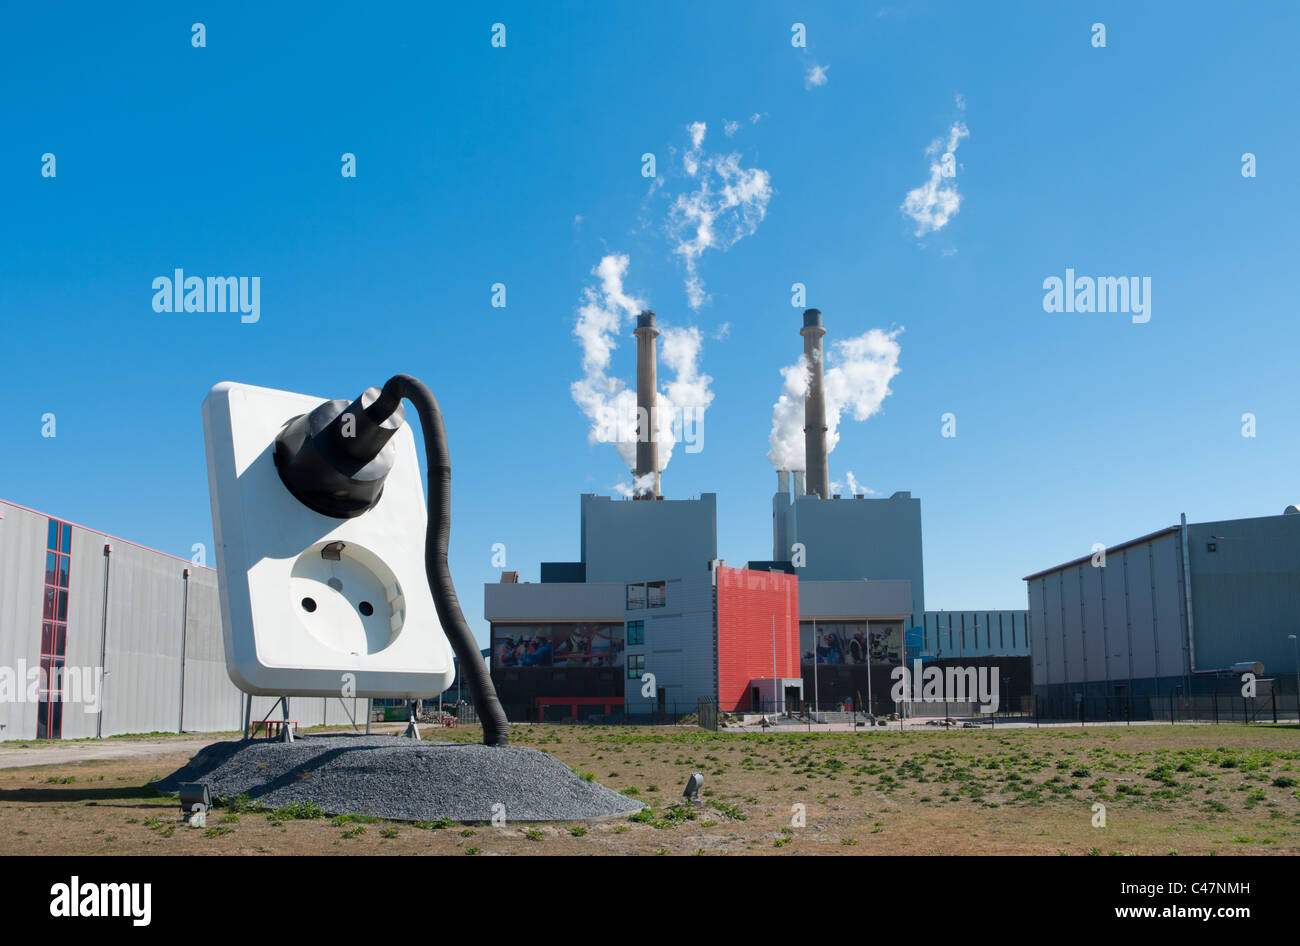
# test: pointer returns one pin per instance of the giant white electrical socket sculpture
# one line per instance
(313, 605)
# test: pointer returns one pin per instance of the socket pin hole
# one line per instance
(309, 605)
(366, 608)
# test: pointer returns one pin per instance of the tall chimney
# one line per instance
(647, 421)
(814, 406)
(798, 483)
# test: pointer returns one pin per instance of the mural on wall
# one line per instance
(851, 642)
(557, 645)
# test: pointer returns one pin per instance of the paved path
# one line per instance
(57, 753)
(62, 753)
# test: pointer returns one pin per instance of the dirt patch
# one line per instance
(1193, 790)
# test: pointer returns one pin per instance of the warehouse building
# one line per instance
(1175, 614)
(101, 637)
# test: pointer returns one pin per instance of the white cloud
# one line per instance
(857, 375)
(608, 401)
(729, 128)
(727, 205)
(815, 76)
(722, 332)
(936, 201)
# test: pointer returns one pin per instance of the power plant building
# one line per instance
(840, 603)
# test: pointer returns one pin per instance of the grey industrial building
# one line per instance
(860, 589)
(1176, 614)
(100, 637)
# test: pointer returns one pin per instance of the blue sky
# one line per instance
(522, 165)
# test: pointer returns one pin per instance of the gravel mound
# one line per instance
(396, 778)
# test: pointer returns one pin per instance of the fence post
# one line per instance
(1171, 709)
(1273, 701)
(1215, 701)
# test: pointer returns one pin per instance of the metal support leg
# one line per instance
(248, 712)
(286, 731)
(412, 729)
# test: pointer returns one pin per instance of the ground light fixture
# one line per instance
(693, 788)
(196, 801)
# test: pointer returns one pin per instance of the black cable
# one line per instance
(496, 729)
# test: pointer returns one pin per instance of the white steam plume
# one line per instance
(608, 401)
(857, 372)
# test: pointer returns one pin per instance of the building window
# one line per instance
(655, 591)
(635, 666)
(636, 632)
(635, 597)
(54, 630)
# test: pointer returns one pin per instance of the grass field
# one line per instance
(1166, 790)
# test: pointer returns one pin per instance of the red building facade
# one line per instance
(758, 635)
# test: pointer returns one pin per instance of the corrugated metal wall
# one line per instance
(1093, 627)
(22, 567)
(976, 634)
(141, 681)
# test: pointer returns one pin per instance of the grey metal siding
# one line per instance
(140, 690)
(1246, 593)
(22, 568)
(648, 540)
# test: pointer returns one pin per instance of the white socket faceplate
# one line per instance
(297, 622)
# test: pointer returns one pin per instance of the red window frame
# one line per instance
(54, 629)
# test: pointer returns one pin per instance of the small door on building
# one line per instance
(756, 700)
(663, 700)
(792, 701)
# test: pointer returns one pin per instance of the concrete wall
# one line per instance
(140, 689)
(626, 540)
(850, 539)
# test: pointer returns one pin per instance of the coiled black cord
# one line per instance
(496, 729)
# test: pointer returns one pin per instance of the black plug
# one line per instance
(335, 459)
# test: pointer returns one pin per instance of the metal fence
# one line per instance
(1024, 711)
